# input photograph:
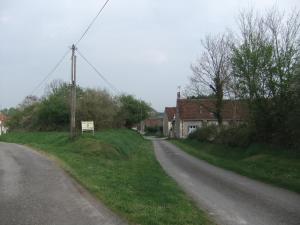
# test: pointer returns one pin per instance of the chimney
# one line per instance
(178, 95)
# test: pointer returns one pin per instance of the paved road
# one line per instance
(230, 198)
(34, 191)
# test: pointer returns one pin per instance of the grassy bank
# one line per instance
(276, 166)
(119, 167)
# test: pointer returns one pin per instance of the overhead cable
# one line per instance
(63, 57)
(97, 71)
(51, 72)
(91, 24)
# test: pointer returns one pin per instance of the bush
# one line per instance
(207, 133)
(241, 136)
(99, 106)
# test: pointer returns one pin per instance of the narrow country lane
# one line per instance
(228, 197)
(34, 191)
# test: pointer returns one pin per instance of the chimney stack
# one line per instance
(178, 95)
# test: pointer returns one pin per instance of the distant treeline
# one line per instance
(52, 111)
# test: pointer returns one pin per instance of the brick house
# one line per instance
(195, 113)
(152, 122)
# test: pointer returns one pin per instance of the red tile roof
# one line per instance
(198, 109)
(170, 112)
(153, 122)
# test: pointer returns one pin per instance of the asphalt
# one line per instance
(229, 198)
(35, 191)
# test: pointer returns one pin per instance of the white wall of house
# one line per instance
(178, 129)
(169, 128)
(190, 126)
(166, 125)
(185, 127)
(226, 123)
(212, 122)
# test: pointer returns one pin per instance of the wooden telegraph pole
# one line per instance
(73, 93)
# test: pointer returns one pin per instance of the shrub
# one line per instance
(240, 136)
(207, 133)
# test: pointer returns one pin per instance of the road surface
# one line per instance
(229, 198)
(34, 191)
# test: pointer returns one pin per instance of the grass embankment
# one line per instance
(276, 166)
(119, 167)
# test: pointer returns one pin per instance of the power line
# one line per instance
(51, 72)
(97, 71)
(91, 24)
(63, 57)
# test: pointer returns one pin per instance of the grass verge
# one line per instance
(276, 166)
(119, 167)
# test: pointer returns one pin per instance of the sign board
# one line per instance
(87, 126)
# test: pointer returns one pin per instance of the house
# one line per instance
(3, 119)
(195, 113)
(155, 122)
(169, 121)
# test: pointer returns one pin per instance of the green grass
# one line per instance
(272, 165)
(119, 167)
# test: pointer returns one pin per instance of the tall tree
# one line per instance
(285, 37)
(132, 110)
(263, 64)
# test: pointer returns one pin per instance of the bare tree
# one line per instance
(28, 101)
(211, 72)
(55, 86)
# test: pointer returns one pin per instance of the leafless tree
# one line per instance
(54, 87)
(28, 101)
(211, 72)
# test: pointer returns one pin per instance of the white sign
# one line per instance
(87, 126)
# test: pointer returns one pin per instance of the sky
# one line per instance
(143, 47)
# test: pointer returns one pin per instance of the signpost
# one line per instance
(87, 126)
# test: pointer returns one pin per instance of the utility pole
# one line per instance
(73, 93)
(141, 117)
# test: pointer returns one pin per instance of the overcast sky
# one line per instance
(143, 47)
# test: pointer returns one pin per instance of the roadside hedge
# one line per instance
(234, 136)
